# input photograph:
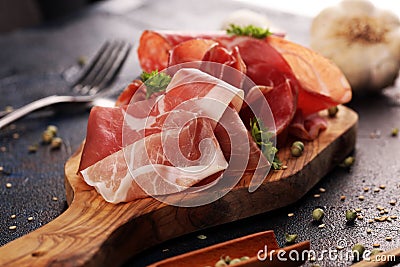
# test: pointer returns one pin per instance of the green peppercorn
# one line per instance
(296, 151)
(395, 132)
(47, 136)
(299, 144)
(351, 215)
(290, 238)
(318, 214)
(375, 251)
(332, 111)
(245, 258)
(221, 263)
(358, 251)
(56, 143)
(348, 162)
(33, 148)
(234, 261)
(53, 129)
(82, 61)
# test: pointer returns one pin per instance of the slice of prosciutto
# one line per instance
(142, 168)
(165, 145)
(307, 127)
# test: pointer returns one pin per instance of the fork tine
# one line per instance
(102, 64)
(77, 86)
(109, 72)
(101, 68)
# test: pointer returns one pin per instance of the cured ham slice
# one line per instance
(280, 87)
(323, 85)
(135, 88)
(150, 172)
(307, 128)
(154, 47)
(188, 51)
(105, 126)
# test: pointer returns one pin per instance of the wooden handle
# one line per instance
(93, 232)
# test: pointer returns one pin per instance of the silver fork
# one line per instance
(93, 84)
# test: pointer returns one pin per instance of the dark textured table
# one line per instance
(35, 63)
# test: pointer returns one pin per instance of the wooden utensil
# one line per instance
(251, 246)
(92, 232)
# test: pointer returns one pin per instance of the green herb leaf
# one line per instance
(262, 136)
(155, 82)
(249, 30)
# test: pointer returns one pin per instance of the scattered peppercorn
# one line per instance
(395, 132)
(53, 129)
(351, 215)
(33, 148)
(358, 251)
(318, 214)
(297, 148)
(202, 237)
(348, 162)
(56, 143)
(332, 111)
(290, 238)
(375, 251)
(82, 60)
(47, 136)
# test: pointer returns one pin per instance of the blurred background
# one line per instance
(15, 14)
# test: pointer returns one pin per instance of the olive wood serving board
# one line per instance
(92, 232)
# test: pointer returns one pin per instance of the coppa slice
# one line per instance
(323, 85)
(154, 47)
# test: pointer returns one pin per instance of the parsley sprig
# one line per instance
(250, 30)
(263, 137)
(155, 82)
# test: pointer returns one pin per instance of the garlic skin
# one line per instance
(363, 40)
(245, 17)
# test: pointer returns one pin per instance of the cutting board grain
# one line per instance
(92, 232)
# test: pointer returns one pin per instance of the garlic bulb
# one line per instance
(363, 40)
(245, 17)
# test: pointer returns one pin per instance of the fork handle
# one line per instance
(38, 104)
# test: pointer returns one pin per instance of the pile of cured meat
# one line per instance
(171, 141)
